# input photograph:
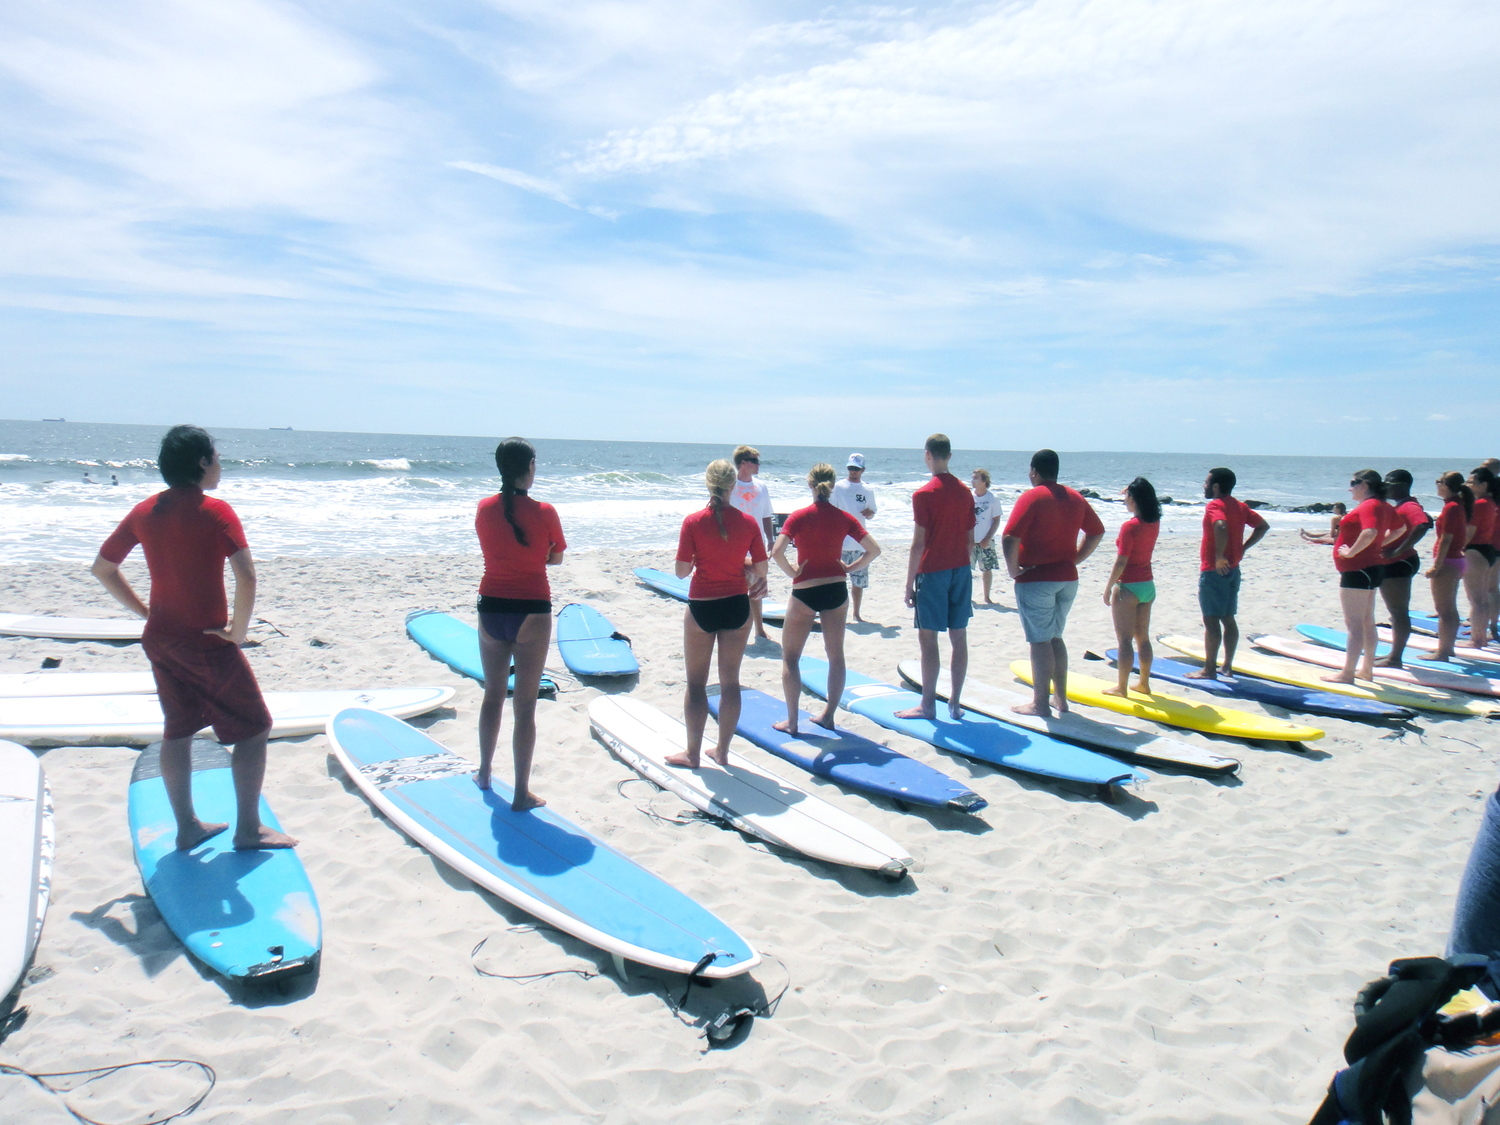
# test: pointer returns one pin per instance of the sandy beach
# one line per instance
(1188, 955)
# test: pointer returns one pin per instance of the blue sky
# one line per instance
(1136, 224)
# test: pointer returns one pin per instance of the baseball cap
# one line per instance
(856, 461)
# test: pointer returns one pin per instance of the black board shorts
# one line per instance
(721, 615)
(830, 595)
(1367, 579)
(1404, 568)
(1486, 551)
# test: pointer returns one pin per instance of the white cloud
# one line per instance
(533, 184)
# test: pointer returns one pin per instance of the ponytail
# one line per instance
(513, 457)
(1454, 483)
(1487, 478)
(719, 477)
(820, 480)
(1373, 481)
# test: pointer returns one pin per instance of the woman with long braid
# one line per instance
(713, 547)
(520, 538)
(1450, 533)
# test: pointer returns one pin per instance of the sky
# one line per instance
(1158, 225)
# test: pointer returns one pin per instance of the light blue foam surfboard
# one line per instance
(589, 644)
(674, 587)
(456, 644)
(536, 860)
(1336, 638)
(248, 915)
(975, 735)
(846, 757)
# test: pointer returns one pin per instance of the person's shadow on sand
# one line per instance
(873, 628)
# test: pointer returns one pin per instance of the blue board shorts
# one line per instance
(943, 599)
(1044, 608)
(1219, 594)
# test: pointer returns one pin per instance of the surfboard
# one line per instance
(1251, 663)
(589, 644)
(1115, 739)
(1487, 659)
(71, 628)
(14, 685)
(1289, 696)
(1334, 658)
(848, 758)
(674, 587)
(1176, 712)
(248, 915)
(1428, 623)
(537, 860)
(1337, 639)
(26, 848)
(113, 720)
(752, 799)
(456, 644)
(975, 735)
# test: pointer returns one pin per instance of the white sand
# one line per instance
(1189, 957)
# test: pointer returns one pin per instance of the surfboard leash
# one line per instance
(59, 1090)
(692, 816)
(526, 978)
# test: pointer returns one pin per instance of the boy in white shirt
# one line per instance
(854, 497)
(754, 499)
(987, 514)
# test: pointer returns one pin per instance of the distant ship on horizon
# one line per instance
(54, 419)
(278, 427)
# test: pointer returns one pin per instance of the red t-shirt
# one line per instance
(1136, 542)
(818, 530)
(944, 508)
(1483, 520)
(719, 564)
(510, 569)
(1415, 516)
(186, 535)
(1237, 516)
(1452, 522)
(1047, 520)
(1370, 513)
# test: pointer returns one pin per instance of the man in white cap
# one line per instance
(853, 497)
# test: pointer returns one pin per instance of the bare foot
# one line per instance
(763, 636)
(825, 721)
(1202, 674)
(190, 839)
(266, 838)
(530, 801)
(1060, 702)
(860, 619)
(1112, 691)
(1338, 679)
(482, 779)
(720, 756)
(955, 711)
(786, 726)
(916, 713)
(686, 761)
(1032, 709)
(990, 601)
(1143, 687)
(1388, 662)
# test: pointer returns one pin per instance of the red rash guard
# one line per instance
(1483, 520)
(511, 570)
(1237, 516)
(818, 532)
(1047, 520)
(1137, 540)
(1415, 516)
(1453, 523)
(944, 509)
(186, 536)
(1371, 513)
(719, 564)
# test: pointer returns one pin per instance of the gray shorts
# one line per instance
(859, 579)
(1044, 608)
(1219, 594)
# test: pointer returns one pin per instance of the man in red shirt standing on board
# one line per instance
(938, 581)
(202, 677)
(1042, 553)
(1224, 544)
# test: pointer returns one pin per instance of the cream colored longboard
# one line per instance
(25, 859)
(752, 799)
(71, 628)
(18, 685)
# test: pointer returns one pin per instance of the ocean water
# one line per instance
(303, 493)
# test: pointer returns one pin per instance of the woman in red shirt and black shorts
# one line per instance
(1450, 535)
(520, 539)
(1363, 536)
(820, 589)
(713, 547)
(1483, 577)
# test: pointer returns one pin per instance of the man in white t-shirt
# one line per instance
(853, 497)
(754, 499)
(987, 513)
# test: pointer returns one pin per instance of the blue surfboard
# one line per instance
(248, 915)
(1428, 623)
(1265, 691)
(1337, 639)
(456, 644)
(589, 644)
(536, 860)
(975, 735)
(848, 758)
(674, 587)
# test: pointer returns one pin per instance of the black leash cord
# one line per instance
(96, 1073)
(525, 978)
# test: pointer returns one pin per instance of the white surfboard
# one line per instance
(752, 799)
(71, 628)
(25, 859)
(114, 720)
(16, 685)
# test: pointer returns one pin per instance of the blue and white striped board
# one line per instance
(589, 644)
(248, 915)
(674, 587)
(536, 860)
(456, 644)
(975, 735)
(848, 758)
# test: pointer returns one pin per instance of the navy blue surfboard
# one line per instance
(456, 644)
(847, 758)
(589, 644)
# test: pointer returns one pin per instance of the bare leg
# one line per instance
(177, 776)
(1122, 610)
(1060, 675)
(987, 578)
(731, 652)
(756, 622)
(249, 776)
(1396, 593)
(928, 643)
(1357, 605)
(698, 653)
(958, 669)
(1231, 642)
(1043, 660)
(1494, 607)
(855, 595)
(794, 632)
(531, 655)
(1445, 601)
(833, 647)
(495, 656)
(1475, 574)
(1213, 636)
(1143, 646)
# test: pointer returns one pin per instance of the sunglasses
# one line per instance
(752, 460)
(1355, 483)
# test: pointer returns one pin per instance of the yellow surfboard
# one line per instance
(1293, 672)
(1175, 712)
